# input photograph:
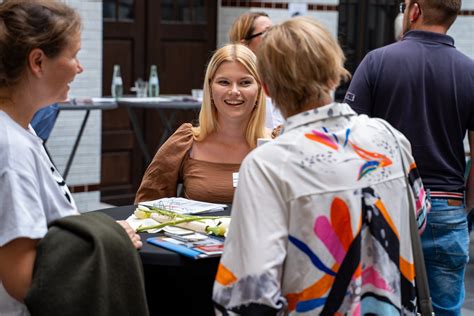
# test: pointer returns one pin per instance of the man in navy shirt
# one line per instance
(425, 88)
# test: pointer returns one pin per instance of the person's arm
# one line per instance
(470, 177)
(17, 259)
(132, 234)
(359, 93)
(161, 177)
(248, 281)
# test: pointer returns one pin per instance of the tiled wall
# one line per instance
(85, 169)
(323, 10)
(463, 29)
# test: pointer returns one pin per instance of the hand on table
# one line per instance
(134, 237)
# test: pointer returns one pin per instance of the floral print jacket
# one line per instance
(320, 221)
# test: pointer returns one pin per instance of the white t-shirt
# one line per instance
(32, 193)
(273, 116)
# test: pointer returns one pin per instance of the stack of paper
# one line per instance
(184, 206)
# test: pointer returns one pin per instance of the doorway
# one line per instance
(176, 35)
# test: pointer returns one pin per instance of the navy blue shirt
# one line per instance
(424, 87)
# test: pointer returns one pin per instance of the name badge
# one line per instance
(235, 179)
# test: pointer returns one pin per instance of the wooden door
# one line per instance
(181, 37)
(123, 44)
(176, 35)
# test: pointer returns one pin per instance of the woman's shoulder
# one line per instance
(183, 135)
(181, 140)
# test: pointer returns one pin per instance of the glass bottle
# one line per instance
(117, 83)
(153, 82)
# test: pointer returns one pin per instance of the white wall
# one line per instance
(85, 169)
(463, 30)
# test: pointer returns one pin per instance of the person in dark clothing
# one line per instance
(423, 86)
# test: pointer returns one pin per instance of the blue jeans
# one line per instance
(445, 243)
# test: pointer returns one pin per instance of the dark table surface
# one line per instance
(153, 255)
(175, 285)
(86, 104)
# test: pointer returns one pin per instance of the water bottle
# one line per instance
(117, 83)
(153, 82)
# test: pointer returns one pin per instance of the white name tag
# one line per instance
(235, 179)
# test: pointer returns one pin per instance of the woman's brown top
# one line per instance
(202, 180)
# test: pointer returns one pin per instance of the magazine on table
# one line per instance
(193, 245)
(184, 206)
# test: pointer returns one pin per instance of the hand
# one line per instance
(134, 237)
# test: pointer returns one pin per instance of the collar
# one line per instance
(429, 36)
(327, 111)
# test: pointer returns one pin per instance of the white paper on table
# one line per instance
(184, 206)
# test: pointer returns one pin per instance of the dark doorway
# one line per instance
(176, 35)
(364, 25)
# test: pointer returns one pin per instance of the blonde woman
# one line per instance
(320, 217)
(205, 158)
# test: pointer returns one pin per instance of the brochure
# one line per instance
(194, 245)
(184, 206)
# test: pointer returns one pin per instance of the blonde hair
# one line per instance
(300, 62)
(208, 115)
(243, 27)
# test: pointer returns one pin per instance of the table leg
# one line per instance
(138, 135)
(76, 144)
(167, 125)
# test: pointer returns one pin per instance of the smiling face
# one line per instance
(261, 24)
(234, 92)
(61, 70)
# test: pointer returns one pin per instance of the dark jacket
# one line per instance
(87, 265)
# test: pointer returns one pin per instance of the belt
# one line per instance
(447, 195)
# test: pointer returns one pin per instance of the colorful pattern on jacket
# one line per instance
(320, 222)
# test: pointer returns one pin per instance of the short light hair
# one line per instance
(243, 27)
(208, 115)
(439, 12)
(300, 62)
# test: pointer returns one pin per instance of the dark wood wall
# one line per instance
(178, 37)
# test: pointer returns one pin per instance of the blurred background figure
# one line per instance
(43, 121)
(423, 86)
(206, 158)
(249, 29)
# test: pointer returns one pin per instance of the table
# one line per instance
(82, 105)
(174, 284)
(160, 103)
